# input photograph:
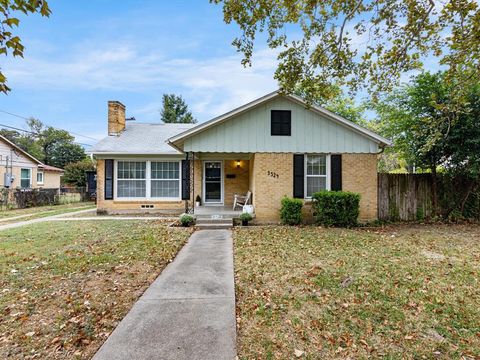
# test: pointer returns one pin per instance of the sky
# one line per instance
(89, 52)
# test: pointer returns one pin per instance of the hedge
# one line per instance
(336, 208)
(291, 211)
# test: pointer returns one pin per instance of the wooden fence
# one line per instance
(409, 197)
(404, 196)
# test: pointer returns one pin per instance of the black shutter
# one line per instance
(108, 179)
(336, 172)
(185, 180)
(298, 176)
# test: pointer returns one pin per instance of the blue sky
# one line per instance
(90, 52)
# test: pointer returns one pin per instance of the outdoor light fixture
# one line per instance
(238, 164)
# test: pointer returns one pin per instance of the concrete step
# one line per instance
(213, 221)
(215, 226)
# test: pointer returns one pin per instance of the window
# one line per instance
(148, 179)
(316, 174)
(40, 177)
(131, 180)
(25, 178)
(281, 123)
(165, 179)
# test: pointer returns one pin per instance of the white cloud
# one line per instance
(212, 86)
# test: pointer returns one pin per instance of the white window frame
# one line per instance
(43, 177)
(179, 180)
(29, 178)
(148, 181)
(327, 173)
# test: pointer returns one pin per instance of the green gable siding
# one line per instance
(250, 132)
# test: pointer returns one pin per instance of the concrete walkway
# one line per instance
(42, 219)
(189, 310)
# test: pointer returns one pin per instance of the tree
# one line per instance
(356, 43)
(75, 173)
(51, 146)
(431, 128)
(64, 153)
(175, 110)
(10, 42)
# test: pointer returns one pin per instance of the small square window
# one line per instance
(281, 123)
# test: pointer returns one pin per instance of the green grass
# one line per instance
(43, 210)
(65, 286)
(399, 292)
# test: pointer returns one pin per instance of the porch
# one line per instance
(216, 178)
(220, 211)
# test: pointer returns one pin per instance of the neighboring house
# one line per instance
(26, 171)
(275, 146)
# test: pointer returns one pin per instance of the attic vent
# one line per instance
(147, 206)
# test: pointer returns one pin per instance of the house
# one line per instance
(19, 169)
(274, 146)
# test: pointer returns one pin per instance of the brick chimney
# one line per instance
(116, 117)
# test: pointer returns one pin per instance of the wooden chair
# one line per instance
(241, 200)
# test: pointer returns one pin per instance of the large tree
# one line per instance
(10, 42)
(432, 129)
(175, 110)
(357, 43)
(52, 146)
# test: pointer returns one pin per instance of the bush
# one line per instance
(336, 208)
(246, 217)
(291, 211)
(186, 220)
(75, 173)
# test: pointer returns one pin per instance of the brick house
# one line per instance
(274, 146)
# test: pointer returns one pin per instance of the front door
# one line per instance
(212, 182)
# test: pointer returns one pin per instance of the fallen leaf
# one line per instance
(298, 353)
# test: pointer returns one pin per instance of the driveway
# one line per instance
(189, 310)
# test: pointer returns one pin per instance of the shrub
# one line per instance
(245, 217)
(186, 220)
(291, 211)
(336, 208)
(75, 173)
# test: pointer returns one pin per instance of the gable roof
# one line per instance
(176, 140)
(17, 148)
(141, 139)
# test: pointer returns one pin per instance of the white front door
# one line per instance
(213, 182)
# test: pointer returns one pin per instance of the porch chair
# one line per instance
(241, 200)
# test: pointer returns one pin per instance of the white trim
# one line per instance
(43, 178)
(147, 180)
(29, 178)
(327, 175)
(221, 183)
(331, 116)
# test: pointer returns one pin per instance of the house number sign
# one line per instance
(273, 174)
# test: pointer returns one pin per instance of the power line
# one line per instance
(25, 118)
(34, 133)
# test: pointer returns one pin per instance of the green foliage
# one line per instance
(246, 217)
(291, 211)
(186, 220)
(75, 173)
(51, 146)
(10, 10)
(357, 44)
(175, 110)
(336, 208)
(433, 128)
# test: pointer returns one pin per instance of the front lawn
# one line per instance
(65, 286)
(41, 211)
(399, 292)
